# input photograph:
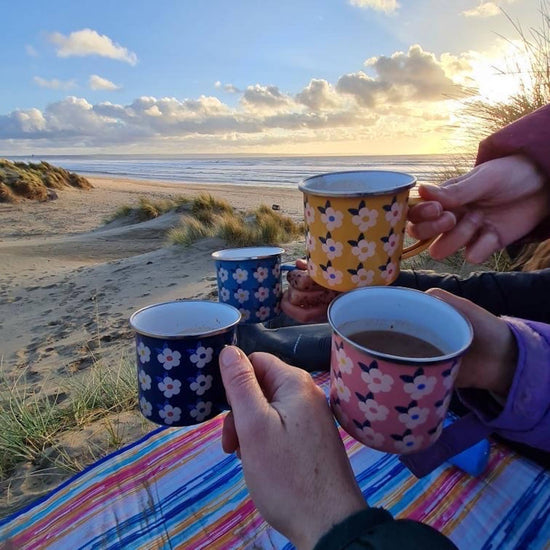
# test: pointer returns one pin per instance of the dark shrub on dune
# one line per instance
(35, 181)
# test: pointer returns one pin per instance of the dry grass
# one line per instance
(34, 181)
(30, 424)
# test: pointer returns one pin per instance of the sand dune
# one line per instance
(68, 285)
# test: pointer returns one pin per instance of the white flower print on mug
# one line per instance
(376, 380)
(330, 217)
(143, 352)
(202, 356)
(261, 274)
(342, 390)
(169, 387)
(144, 380)
(241, 295)
(363, 217)
(394, 212)
(413, 415)
(407, 443)
(201, 411)
(240, 275)
(145, 407)
(419, 384)
(170, 414)
(223, 274)
(262, 294)
(201, 384)
(372, 409)
(169, 358)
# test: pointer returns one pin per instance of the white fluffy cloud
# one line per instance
(413, 85)
(487, 8)
(54, 83)
(96, 82)
(387, 6)
(89, 42)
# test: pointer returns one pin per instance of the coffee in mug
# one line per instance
(388, 390)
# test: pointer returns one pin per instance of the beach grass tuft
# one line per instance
(31, 423)
(35, 181)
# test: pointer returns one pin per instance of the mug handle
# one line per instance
(418, 246)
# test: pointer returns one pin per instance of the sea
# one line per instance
(271, 171)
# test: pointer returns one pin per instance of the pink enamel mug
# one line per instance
(395, 356)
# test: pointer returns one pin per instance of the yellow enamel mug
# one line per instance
(355, 226)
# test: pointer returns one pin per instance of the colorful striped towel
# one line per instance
(175, 488)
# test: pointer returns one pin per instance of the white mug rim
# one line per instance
(416, 361)
(307, 184)
(188, 335)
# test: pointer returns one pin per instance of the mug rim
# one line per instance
(305, 185)
(398, 359)
(262, 252)
(187, 335)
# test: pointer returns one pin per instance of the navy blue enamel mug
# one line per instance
(177, 350)
(250, 279)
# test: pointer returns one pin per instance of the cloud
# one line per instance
(264, 97)
(229, 88)
(413, 76)
(485, 9)
(98, 83)
(406, 86)
(387, 6)
(89, 42)
(318, 95)
(54, 83)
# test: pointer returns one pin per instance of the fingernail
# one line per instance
(229, 356)
(431, 187)
(433, 209)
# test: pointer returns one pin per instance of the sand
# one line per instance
(68, 284)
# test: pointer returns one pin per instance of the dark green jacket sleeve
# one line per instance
(375, 529)
(514, 293)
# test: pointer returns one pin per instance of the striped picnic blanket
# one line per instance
(175, 488)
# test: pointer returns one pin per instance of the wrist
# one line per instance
(505, 366)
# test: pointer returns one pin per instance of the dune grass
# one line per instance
(30, 423)
(35, 181)
(219, 219)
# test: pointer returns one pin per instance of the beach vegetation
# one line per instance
(35, 181)
(189, 232)
(260, 226)
(30, 423)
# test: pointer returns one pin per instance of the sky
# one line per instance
(284, 77)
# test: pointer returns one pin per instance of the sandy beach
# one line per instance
(68, 284)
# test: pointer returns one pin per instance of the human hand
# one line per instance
(305, 300)
(485, 210)
(294, 462)
(490, 363)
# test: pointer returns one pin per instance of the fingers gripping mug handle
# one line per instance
(418, 246)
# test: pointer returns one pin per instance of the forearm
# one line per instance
(517, 294)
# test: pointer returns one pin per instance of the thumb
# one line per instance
(241, 385)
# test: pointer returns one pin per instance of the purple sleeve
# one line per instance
(525, 416)
(529, 135)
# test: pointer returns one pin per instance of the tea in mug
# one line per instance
(392, 342)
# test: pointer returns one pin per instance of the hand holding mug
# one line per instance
(490, 362)
(485, 210)
(305, 300)
(283, 429)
